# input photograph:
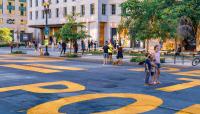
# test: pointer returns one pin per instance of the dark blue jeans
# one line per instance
(147, 77)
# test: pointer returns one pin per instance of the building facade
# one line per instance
(101, 17)
(13, 15)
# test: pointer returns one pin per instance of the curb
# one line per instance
(93, 60)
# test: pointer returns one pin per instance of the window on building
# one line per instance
(50, 13)
(57, 12)
(57, 1)
(30, 15)
(65, 11)
(43, 14)
(73, 10)
(103, 9)
(92, 9)
(36, 3)
(30, 3)
(36, 14)
(22, 9)
(9, 7)
(82, 10)
(113, 9)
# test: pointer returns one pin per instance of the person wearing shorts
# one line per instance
(110, 52)
(157, 62)
(105, 53)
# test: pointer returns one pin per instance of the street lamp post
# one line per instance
(46, 30)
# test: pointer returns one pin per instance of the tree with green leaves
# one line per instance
(73, 31)
(5, 35)
(148, 19)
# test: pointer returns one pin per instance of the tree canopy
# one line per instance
(5, 35)
(159, 18)
(73, 30)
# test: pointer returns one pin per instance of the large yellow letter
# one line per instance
(143, 103)
(37, 88)
(194, 109)
(192, 83)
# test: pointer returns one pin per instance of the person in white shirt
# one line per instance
(157, 62)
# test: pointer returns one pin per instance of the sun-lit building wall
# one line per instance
(13, 15)
(101, 17)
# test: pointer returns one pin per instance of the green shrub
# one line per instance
(137, 54)
(71, 55)
(162, 60)
(8, 45)
(137, 59)
(18, 52)
(96, 52)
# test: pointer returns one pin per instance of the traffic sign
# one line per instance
(46, 31)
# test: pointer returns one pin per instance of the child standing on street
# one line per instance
(148, 68)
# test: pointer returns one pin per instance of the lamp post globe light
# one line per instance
(46, 29)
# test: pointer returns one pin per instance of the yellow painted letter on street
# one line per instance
(144, 103)
(194, 109)
(37, 88)
(178, 87)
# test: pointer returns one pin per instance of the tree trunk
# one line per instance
(147, 45)
(198, 39)
(70, 48)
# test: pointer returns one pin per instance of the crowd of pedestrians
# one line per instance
(108, 50)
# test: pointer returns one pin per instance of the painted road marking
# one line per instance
(22, 61)
(178, 87)
(163, 69)
(56, 67)
(194, 109)
(189, 73)
(30, 68)
(144, 103)
(37, 88)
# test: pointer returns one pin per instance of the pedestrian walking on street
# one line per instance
(11, 47)
(35, 46)
(120, 55)
(64, 47)
(178, 50)
(83, 46)
(110, 52)
(75, 47)
(89, 45)
(92, 44)
(59, 46)
(105, 53)
(157, 62)
(95, 46)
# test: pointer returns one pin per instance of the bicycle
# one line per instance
(196, 61)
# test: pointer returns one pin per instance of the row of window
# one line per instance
(42, 1)
(11, 8)
(82, 11)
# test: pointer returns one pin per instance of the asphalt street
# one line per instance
(37, 85)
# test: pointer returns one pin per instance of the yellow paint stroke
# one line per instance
(144, 103)
(163, 69)
(22, 61)
(189, 73)
(37, 88)
(30, 68)
(56, 67)
(178, 87)
(194, 109)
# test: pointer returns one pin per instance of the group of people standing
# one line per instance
(108, 50)
(152, 67)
